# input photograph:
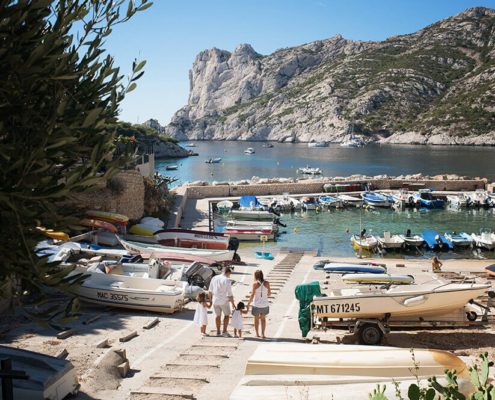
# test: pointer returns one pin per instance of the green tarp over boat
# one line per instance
(305, 293)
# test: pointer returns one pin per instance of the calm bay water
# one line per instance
(283, 159)
(330, 231)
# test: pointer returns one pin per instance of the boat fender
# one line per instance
(414, 301)
(491, 294)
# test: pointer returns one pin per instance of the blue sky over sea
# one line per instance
(171, 33)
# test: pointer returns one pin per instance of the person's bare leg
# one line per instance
(256, 325)
(218, 320)
(240, 333)
(263, 326)
(225, 323)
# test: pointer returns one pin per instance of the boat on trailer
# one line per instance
(192, 239)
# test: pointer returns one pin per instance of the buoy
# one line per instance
(296, 230)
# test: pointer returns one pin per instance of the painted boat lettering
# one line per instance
(338, 308)
(112, 296)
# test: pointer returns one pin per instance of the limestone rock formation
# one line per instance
(435, 86)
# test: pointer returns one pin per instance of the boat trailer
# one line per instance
(371, 331)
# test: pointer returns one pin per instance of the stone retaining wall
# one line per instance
(124, 194)
(227, 190)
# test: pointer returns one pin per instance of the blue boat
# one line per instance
(376, 199)
(424, 198)
(436, 241)
(250, 202)
(459, 239)
(329, 201)
(343, 268)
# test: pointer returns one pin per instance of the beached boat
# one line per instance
(459, 239)
(330, 201)
(480, 198)
(192, 239)
(376, 199)
(436, 241)
(352, 268)
(48, 377)
(249, 150)
(309, 170)
(388, 241)
(332, 371)
(146, 250)
(134, 292)
(224, 206)
(143, 230)
(253, 215)
(317, 144)
(458, 200)
(424, 198)
(114, 218)
(252, 234)
(213, 160)
(430, 299)
(98, 224)
(366, 242)
(485, 239)
(350, 200)
(379, 278)
(309, 203)
(412, 240)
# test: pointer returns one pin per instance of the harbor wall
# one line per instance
(311, 186)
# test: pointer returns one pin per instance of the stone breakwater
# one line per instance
(276, 186)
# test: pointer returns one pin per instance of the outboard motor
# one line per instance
(273, 211)
(408, 233)
(233, 244)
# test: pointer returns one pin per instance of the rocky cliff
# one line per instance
(434, 86)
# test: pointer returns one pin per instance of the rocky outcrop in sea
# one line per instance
(434, 86)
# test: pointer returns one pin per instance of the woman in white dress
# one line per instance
(201, 314)
(261, 307)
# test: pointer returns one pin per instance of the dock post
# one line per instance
(210, 227)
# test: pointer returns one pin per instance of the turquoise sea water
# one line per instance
(283, 159)
(329, 232)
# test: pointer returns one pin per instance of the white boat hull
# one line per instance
(486, 241)
(414, 241)
(367, 243)
(414, 300)
(252, 215)
(131, 292)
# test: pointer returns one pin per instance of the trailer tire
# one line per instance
(370, 334)
(471, 316)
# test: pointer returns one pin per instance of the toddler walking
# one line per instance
(201, 314)
(236, 322)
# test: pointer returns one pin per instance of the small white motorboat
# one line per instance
(412, 240)
(352, 142)
(49, 377)
(480, 198)
(285, 203)
(171, 167)
(309, 203)
(367, 242)
(350, 200)
(388, 241)
(267, 145)
(192, 239)
(224, 206)
(256, 215)
(458, 200)
(376, 199)
(485, 239)
(249, 150)
(317, 144)
(244, 224)
(190, 145)
(330, 201)
(134, 290)
(251, 233)
(379, 278)
(429, 299)
(213, 160)
(307, 170)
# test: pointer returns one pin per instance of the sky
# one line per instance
(171, 33)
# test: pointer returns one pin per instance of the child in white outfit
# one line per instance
(201, 314)
(236, 321)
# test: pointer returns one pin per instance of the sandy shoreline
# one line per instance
(166, 360)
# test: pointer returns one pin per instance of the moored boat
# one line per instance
(364, 242)
(192, 239)
(375, 199)
(485, 239)
(173, 167)
(424, 198)
(459, 239)
(388, 241)
(431, 299)
(480, 198)
(213, 160)
(251, 234)
(436, 241)
(256, 215)
(412, 240)
(330, 201)
(224, 206)
(458, 200)
(309, 170)
(309, 203)
(267, 145)
(350, 200)
(249, 150)
(317, 144)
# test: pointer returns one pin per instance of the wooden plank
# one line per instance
(92, 319)
(128, 337)
(103, 344)
(65, 334)
(151, 324)
(123, 368)
(62, 354)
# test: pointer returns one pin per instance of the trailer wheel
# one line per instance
(370, 335)
(471, 316)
